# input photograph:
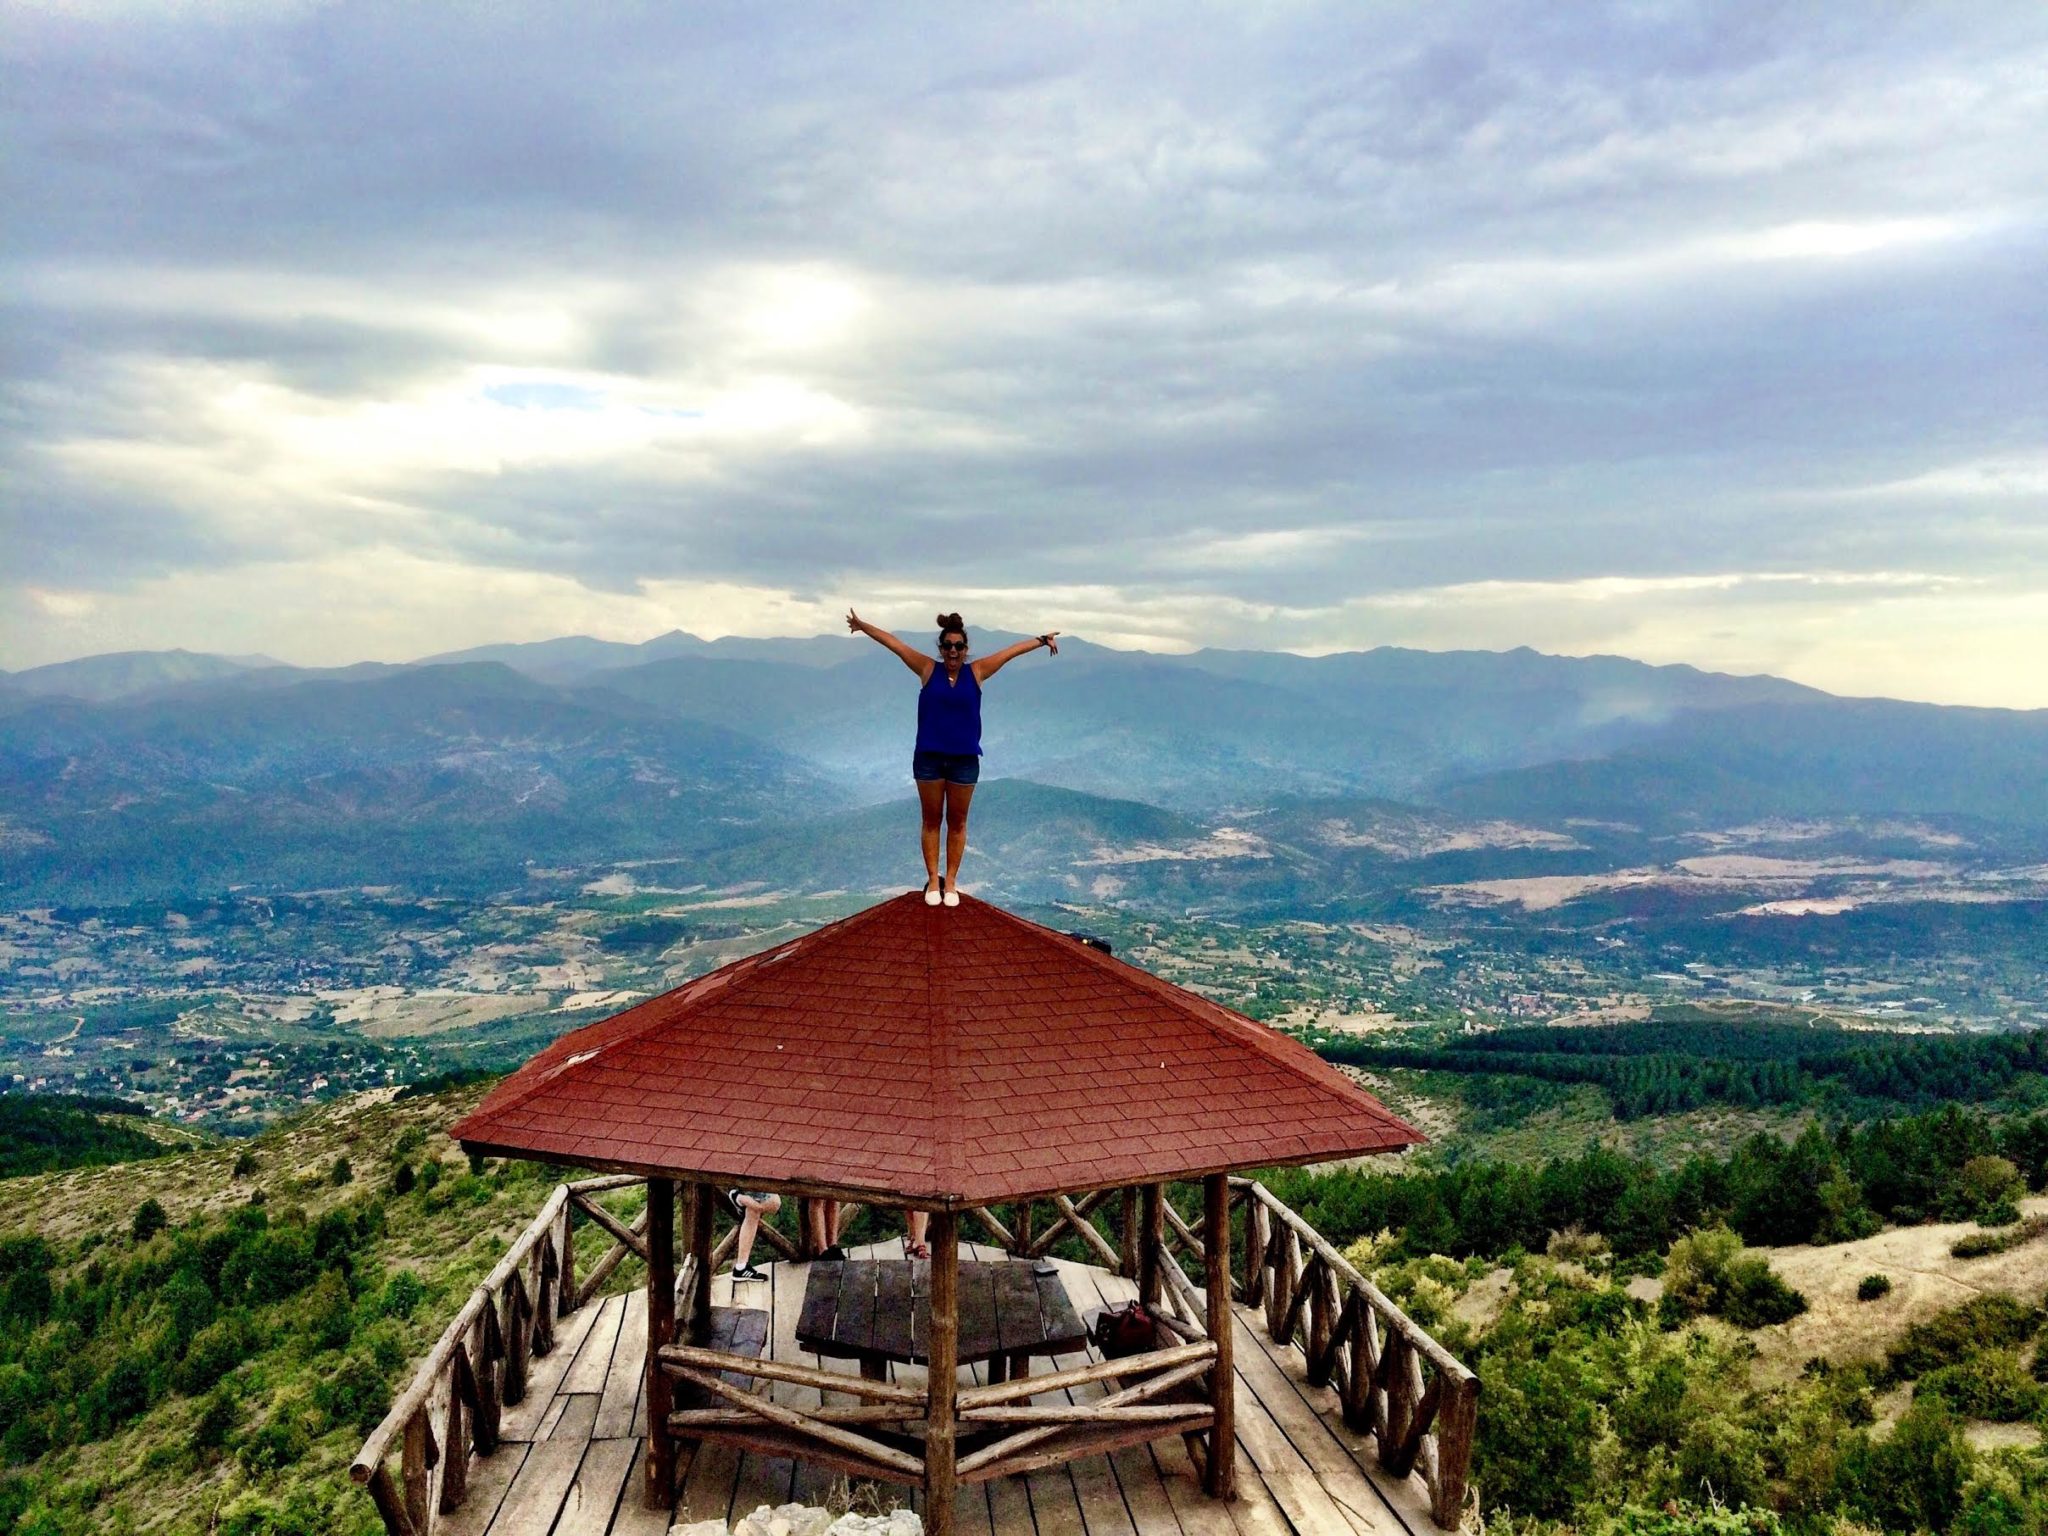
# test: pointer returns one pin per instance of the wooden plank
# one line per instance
(1018, 1315)
(545, 1430)
(594, 1497)
(854, 1327)
(1312, 1508)
(521, 1420)
(544, 1376)
(980, 1333)
(1406, 1503)
(895, 1316)
(594, 1357)
(625, 1383)
(536, 1494)
(579, 1417)
(1095, 1484)
(1137, 1475)
(821, 1300)
(489, 1477)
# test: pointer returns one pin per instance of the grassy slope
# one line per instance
(142, 1478)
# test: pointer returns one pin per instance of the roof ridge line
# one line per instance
(1230, 1026)
(738, 973)
(946, 1167)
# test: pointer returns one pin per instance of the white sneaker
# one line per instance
(931, 896)
(952, 898)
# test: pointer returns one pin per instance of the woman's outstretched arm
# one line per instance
(916, 660)
(989, 666)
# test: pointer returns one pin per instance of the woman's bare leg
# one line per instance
(957, 798)
(931, 801)
(918, 1221)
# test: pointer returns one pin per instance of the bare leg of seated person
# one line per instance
(752, 1209)
(914, 1244)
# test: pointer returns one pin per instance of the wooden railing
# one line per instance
(1417, 1400)
(1394, 1381)
(477, 1368)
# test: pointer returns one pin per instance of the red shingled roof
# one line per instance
(935, 1055)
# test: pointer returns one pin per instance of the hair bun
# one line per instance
(951, 621)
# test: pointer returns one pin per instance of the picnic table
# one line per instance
(878, 1310)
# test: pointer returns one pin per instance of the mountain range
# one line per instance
(148, 772)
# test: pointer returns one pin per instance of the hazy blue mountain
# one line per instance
(464, 772)
(121, 674)
(1827, 757)
(455, 776)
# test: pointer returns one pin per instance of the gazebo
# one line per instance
(948, 1060)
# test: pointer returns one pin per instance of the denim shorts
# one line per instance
(952, 767)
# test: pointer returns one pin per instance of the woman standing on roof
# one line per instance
(947, 761)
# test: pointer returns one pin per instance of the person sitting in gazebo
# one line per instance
(750, 1207)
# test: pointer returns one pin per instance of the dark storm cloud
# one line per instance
(1291, 309)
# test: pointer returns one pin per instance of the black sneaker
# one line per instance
(750, 1273)
(833, 1255)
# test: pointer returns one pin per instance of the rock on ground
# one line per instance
(806, 1520)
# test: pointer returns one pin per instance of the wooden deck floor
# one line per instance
(570, 1462)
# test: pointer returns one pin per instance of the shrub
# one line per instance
(275, 1444)
(1870, 1287)
(1709, 1273)
(1978, 1245)
(340, 1173)
(216, 1349)
(211, 1430)
(1913, 1478)
(1995, 1321)
(149, 1220)
(1992, 1385)
(402, 1292)
(326, 1313)
(402, 1181)
(353, 1395)
(245, 1164)
(1753, 1296)
(1989, 1189)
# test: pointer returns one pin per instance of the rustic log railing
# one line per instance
(477, 1369)
(1391, 1378)
(1417, 1400)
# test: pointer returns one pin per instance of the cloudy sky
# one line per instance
(1712, 333)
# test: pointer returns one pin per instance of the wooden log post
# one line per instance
(1151, 1242)
(660, 1467)
(416, 1461)
(1022, 1247)
(703, 1210)
(566, 1242)
(1456, 1420)
(454, 1433)
(1129, 1228)
(1220, 1475)
(1257, 1232)
(1322, 1319)
(518, 1336)
(485, 1364)
(941, 1476)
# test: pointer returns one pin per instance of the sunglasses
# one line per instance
(952, 645)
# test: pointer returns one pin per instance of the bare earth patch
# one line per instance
(1925, 1280)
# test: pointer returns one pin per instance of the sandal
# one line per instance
(917, 1250)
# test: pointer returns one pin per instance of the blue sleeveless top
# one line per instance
(949, 714)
